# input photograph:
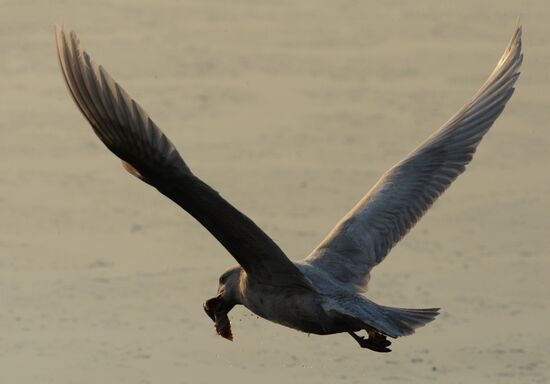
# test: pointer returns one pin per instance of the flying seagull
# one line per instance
(323, 293)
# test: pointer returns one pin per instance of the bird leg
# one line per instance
(376, 341)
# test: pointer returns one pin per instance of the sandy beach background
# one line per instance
(292, 110)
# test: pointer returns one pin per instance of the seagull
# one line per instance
(322, 294)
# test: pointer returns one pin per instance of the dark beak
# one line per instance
(211, 305)
(217, 310)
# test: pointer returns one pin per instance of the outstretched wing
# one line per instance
(403, 194)
(125, 128)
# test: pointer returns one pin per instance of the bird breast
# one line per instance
(286, 306)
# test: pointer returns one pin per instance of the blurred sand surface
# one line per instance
(292, 110)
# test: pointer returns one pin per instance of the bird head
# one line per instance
(229, 294)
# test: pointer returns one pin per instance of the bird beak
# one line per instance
(211, 305)
(217, 310)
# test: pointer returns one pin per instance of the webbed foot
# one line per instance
(375, 342)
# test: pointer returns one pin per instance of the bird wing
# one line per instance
(404, 193)
(126, 129)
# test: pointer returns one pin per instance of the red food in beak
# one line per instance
(211, 305)
(214, 308)
(223, 326)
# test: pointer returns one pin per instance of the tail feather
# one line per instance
(404, 321)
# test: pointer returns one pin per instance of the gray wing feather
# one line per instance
(126, 129)
(122, 125)
(403, 194)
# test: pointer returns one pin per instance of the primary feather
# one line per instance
(403, 194)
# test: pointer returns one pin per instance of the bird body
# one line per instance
(323, 293)
(300, 309)
(329, 307)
